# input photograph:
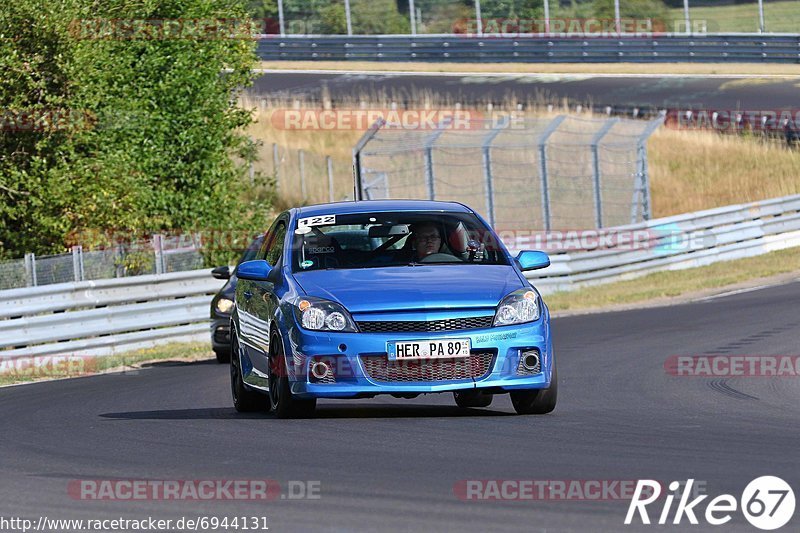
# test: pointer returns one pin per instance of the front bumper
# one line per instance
(221, 333)
(346, 352)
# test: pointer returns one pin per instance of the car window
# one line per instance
(367, 240)
(265, 245)
(276, 246)
(252, 250)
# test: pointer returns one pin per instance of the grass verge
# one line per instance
(698, 69)
(743, 17)
(70, 366)
(677, 283)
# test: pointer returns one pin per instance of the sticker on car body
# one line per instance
(323, 220)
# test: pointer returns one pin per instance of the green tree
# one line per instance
(154, 138)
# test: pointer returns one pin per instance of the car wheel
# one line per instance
(223, 355)
(284, 404)
(472, 398)
(244, 399)
(537, 402)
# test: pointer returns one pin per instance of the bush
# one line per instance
(153, 137)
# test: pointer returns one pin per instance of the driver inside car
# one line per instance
(426, 240)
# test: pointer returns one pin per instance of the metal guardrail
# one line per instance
(112, 316)
(160, 255)
(769, 48)
(105, 316)
(678, 242)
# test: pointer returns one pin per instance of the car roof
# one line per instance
(377, 206)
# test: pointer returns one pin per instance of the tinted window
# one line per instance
(276, 246)
(370, 240)
(252, 250)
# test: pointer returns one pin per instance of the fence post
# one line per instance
(158, 248)
(301, 159)
(347, 18)
(77, 263)
(329, 164)
(276, 166)
(120, 255)
(556, 122)
(478, 19)
(30, 270)
(645, 183)
(645, 173)
(686, 18)
(547, 17)
(430, 178)
(761, 26)
(280, 18)
(412, 17)
(487, 166)
(617, 18)
(598, 193)
(358, 189)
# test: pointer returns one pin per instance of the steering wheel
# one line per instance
(440, 258)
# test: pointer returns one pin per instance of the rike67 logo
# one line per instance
(767, 503)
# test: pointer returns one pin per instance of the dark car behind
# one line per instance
(222, 303)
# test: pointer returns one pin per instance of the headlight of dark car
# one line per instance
(224, 305)
(519, 307)
(322, 315)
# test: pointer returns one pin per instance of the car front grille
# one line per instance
(449, 324)
(475, 366)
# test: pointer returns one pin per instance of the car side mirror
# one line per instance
(532, 260)
(223, 272)
(257, 270)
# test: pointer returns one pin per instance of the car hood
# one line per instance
(410, 288)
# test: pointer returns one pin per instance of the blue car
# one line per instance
(356, 299)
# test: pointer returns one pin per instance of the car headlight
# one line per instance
(224, 305)
(517, 308)
(322, 315)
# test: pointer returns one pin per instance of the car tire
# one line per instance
(244, 399)
(223, 355)
(537, 402)
(283, 403)
(472, 398)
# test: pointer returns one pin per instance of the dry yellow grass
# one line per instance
(693, 170)
(677, 283)
(788, 70)
(690, 170)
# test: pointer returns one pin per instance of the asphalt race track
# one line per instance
(662, 92)
(391, 464)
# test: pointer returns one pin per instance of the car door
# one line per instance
(251, 334)
(263, 301)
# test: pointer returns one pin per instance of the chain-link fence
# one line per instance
(304, 177)
(565, 172)
(123, 260)
(497, 17)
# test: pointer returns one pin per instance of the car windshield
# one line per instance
(369, 240)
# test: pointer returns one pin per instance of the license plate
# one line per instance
(438, 349)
